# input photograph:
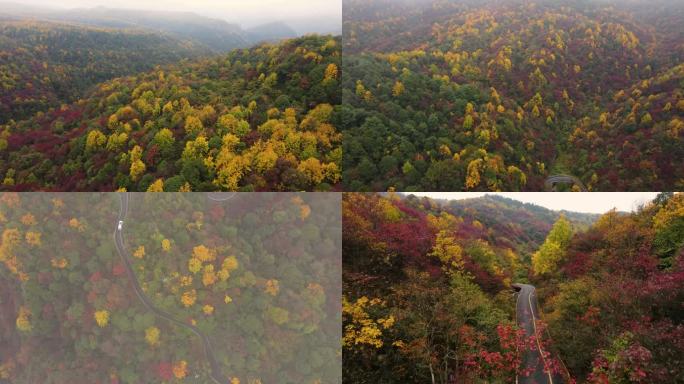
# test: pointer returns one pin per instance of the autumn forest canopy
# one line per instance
(427, 291)
(500, 95)
(87, 107)
(70, 313)
(444, 95)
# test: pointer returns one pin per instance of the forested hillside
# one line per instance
(44, 65)
(473, 95)
(521, 226)
(427, 290)
(254, 119)
(427, 287)
(613, 296)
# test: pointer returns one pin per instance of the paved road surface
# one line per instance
(215, 374)
(526, 313)
(552, 181)
(221, 196)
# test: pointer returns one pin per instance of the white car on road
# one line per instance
(120, 225)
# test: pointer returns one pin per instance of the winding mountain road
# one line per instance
(533, 360)
(221, 196)
(215, 374)
(553, 181)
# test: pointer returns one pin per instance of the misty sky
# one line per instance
(244, 12)
(591, 202)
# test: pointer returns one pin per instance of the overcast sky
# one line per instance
(244, 12)
(591, 202)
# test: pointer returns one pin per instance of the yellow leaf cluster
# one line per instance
(188, 298)
(208, 309)
(398, 89)
(139, 252)
(23, 322)
(194, 265)
(209, 276)
(6, 369)
(157, 186)
(74, 223)
(230, 263)
(57, 204)
(152, 336)
(28, 219)
(331, 72)
(448, 251)
(185, 281)
(362, 329)
(102, 318)
(60, 263)
(272, 287)
(137, 169)
(33, 238)
(304, 211)
(166, 245)
(10, 238)
(203, 253)
(673, 210)
(180, 369)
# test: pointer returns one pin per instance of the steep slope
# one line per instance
(518, 225)
(643, 127)
(485, 95)
(613, 299)
(256, 118)
(426, 292)
(427, 287)
(44, 64)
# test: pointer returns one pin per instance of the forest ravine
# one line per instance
(427, 291)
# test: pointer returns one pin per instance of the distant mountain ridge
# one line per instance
(215, 34)
(524, 225)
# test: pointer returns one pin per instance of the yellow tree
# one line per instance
(193, 125)
(203, 253)
(139, 252)
(33, 238)
(157, 186)
(331, 72)
(23, 322)
(95, 140)
(546, 259)
(102, 318)
(473, 177)
(312, 169)
(152, 336)
(448, 251)
(398, 88)
(188, 298)
(180, 369)
(137, 169)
